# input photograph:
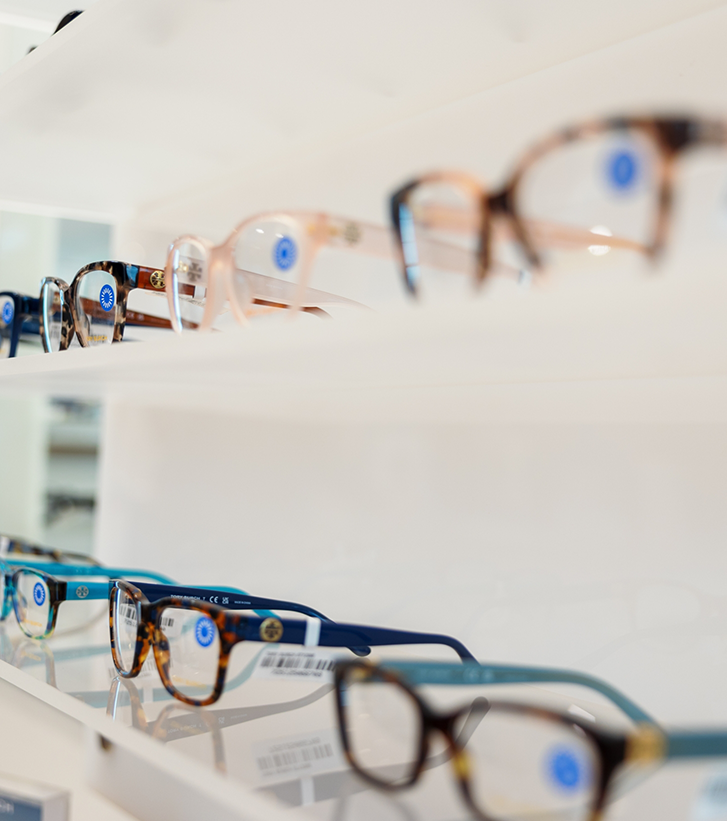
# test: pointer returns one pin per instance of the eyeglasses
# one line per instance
(515, 760)
(11, 547)
(94, 306)
(19, 316)
(269, 260)
(193, 640)
(35, 595)
(596, 195)
(31, 591)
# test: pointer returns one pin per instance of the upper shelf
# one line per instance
(655, 350)
(138, 100)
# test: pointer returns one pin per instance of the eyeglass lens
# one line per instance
(193, 642)
(604, 185)
(7, 315)
(52, 306)
(522, 765)
(96, 307)
(31, 598)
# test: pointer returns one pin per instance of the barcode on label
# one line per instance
(297, 664)
(292, 662)
(293, 758)
(296, 756)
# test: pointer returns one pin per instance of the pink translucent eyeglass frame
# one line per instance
(270, 293)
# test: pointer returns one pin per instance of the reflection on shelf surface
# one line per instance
(274, 729)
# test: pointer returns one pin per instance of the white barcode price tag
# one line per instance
(313, 664)
(298, 756)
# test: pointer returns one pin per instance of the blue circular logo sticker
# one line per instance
(285, 253)
(564, 769)
(622, 169)
(204, 631)
(8, 312)
(106, 297)
(39, 594)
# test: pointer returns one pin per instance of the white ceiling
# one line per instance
(139, 99)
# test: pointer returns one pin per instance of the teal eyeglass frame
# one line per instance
(80, 589)
(647, 744)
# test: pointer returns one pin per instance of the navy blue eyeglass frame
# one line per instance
(25, 321)
(234, 628)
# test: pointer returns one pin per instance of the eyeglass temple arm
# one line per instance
(279, 292)
(228, 599)
(377, 241)
(417, 673)
(135, 318)
(350, 635)
(63, 569)
(696, 744)
(543, 231)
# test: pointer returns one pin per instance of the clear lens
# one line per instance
(383, 727)
(194, 651)
(440, 233)
(52, 306)
(591, 204)
(126, 627)
(189, 275)
(271, 247)
(3, 610)
(530, 766)
(32, 603)
(7, 315)
(96, 307)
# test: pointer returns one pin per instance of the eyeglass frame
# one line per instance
(26, 310)
(127, 277)
(647, 744)
(670, 136)
(70, 590)
(233, 628)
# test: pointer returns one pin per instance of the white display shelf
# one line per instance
(648, 351)
(146, 779)
(139, 100)
(160, 760)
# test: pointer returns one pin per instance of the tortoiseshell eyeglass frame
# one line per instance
(612, 749)
(127, 277)
(670, 137)
(234, 628)
(148, 635)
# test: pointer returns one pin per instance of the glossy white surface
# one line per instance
(233, 751)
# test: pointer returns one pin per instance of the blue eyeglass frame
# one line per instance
(25, 321)
(234, 628)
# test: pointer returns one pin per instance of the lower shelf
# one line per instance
(268, 748)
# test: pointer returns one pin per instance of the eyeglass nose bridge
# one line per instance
(219, 285)
(500, 208)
